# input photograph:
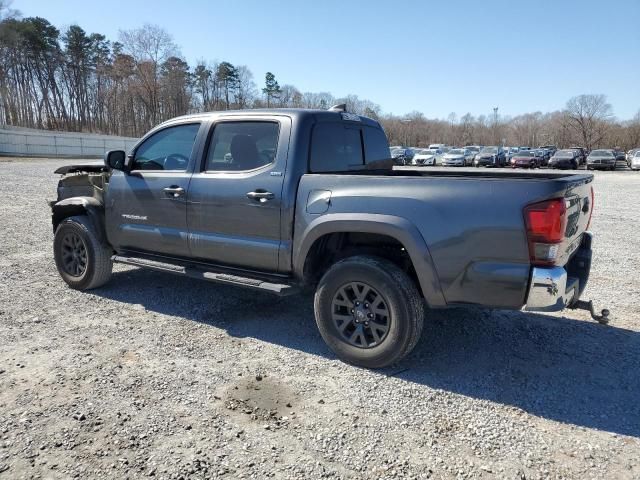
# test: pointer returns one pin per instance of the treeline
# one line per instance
(78, 81)
(587, 121)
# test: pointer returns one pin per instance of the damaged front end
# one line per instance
(82, 181)
(81, 191)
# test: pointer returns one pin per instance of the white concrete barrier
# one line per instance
(15, 141)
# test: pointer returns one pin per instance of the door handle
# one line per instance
(173, 191)
(261, 195)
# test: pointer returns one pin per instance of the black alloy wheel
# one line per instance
(74, 254)
(361, 315)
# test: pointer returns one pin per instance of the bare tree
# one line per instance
(588, 115)
(246, 91)
(149, 46)
(6, 12)
(525, 128)
(633, 132)
(467, 129)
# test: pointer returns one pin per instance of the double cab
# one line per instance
(286, 200)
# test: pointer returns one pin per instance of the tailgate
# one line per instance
(579, 205)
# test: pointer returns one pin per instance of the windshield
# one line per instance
(456, 151)
(525, 153)
(565, 154)
(489, 150)
(601, 153)
(473, 149)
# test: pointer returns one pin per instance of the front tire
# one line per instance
(368, 311)
(82, 260)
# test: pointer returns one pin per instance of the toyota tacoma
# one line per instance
(288, 200)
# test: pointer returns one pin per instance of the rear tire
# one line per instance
(368, 311)
(82, 260)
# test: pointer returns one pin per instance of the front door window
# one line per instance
(168, 149)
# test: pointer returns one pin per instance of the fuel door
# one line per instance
(318, 201)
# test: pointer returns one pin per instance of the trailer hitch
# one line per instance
(602, 319)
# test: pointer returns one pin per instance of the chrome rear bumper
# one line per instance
(552, 289)
(548, 290)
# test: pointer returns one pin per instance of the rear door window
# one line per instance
(336, 147)
(242, 146)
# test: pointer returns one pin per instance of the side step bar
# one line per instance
(193, 271)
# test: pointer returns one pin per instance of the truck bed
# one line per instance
(471, 220)
(492, 173)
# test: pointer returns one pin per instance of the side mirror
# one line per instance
(115, 159)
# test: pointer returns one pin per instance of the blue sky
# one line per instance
(434, 57)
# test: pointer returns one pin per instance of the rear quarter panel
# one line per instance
(473, 229)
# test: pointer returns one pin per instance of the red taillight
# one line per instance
(593, 200)
(546, 224)
(546, 221)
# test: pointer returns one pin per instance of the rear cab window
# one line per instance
(376, 145)
(344, 146)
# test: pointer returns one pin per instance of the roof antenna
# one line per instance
(342, 107)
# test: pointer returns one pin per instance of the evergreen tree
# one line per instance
(272, 88)
(227, 78)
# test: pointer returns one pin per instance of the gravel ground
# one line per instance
(165, 377)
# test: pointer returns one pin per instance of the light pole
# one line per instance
(406, 122)
(495, 124)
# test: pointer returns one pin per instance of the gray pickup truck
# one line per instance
(286, 200)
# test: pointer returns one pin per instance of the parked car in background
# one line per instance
(552, 149)
(601, 160)
(634, 163)
(395, 153)
(426, 157)
(492, 156)
(402, 156)
(525, 159)
(437, 146)
(539, 155)
(510, 152)
(545, 155)
(582, 154)
(475, 149)
(469, 155)
(630, 154)
(566, 158)
(457, 157)
(619, 153)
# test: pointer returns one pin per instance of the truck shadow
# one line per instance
(566, 370)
